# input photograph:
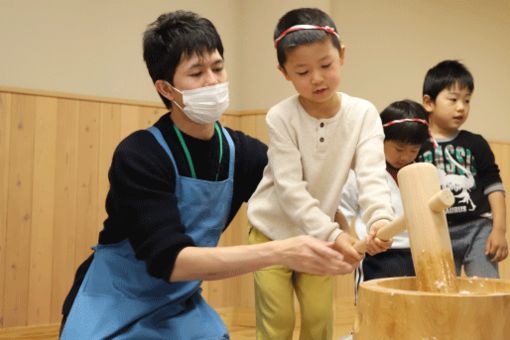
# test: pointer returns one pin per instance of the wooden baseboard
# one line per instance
(39, 332)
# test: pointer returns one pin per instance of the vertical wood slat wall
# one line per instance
(55, 151)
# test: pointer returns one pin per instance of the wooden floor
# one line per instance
(240, 323)
(50, 332)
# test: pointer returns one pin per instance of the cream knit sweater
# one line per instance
(308, 163)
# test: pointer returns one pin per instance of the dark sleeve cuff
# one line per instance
(160, 260)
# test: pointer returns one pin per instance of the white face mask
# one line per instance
(204, 105)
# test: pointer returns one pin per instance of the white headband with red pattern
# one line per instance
(294, 28)
(416, 120)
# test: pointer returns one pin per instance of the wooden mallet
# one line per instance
(424, 203)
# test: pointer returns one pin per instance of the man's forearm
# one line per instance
(195, 263)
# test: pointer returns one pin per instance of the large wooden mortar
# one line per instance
(434, 305)
(395, 309)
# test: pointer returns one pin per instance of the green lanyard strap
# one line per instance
(188, 154)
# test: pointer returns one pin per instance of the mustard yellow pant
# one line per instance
(274, 301)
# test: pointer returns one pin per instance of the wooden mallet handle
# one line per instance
(385, 233)
(441, 200)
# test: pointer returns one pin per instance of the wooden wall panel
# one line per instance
(254, 125)
(43, 195)
(64, 229)
(55, 152)
(5, 125)
(19, 210)
(129, 120)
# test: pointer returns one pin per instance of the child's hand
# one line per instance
(343, 244)
(496, 246)
(374, 244)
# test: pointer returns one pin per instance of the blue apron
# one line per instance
(119, 299)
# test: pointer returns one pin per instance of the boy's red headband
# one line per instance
(294, 28)
(405, 120)
(416, 120)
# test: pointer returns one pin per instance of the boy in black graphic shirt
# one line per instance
(467, 167)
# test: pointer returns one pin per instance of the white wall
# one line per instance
(93, 47)
(392, 43)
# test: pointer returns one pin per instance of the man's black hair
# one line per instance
(173, 36)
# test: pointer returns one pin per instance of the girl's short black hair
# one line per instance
(445, 75)
(174, 35)
(302, 16)
(405, 132)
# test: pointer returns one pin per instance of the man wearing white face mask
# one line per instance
(173, 190)
(204, 105)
